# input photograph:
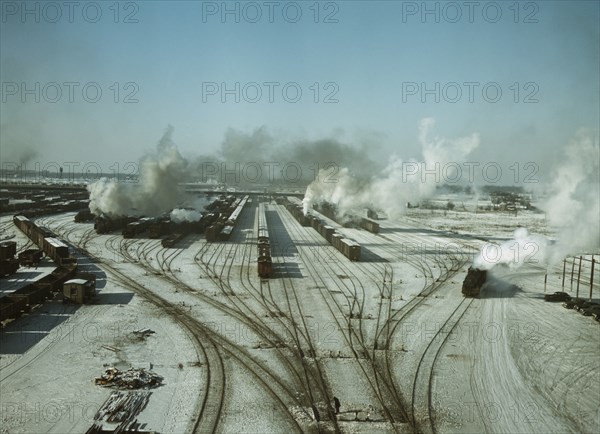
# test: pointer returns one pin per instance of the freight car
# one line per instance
(235, 214)
(236, 209)
(263, 230)
(45, 240)
(8, 263)
(294, 206)
(105, 225)
(212, 232)
(56, 249)
(225, 233)
(30, 257)
(349, 248)
(265, 262)
(25, 298)
(8, 250)
(473, 282)
(83, 216)
(158, 228)
(369, 225)
(136, 228)
(172, 240)
(8, 266)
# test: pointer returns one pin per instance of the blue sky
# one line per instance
(368, 54)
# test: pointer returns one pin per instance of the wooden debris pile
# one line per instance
(119, 413)
(130, 379)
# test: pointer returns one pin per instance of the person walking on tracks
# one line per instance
(336, 404)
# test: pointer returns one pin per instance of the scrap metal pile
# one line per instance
(130, 379)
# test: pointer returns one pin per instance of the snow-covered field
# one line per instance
(391, 336)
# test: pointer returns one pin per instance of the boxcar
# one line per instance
(328, 232)
(212, 232)
(369, 225)
(8, 250)
(56, 249)
(335, 240)
(350, 249)
(9, 266)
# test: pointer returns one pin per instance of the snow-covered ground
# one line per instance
(391, 336)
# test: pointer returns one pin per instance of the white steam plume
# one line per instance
(573, 210)
(180, 215)
(573, 207)
(400, 182)
(156, 191)
(514, 253)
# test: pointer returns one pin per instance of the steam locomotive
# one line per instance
(473, 282)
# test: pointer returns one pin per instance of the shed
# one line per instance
(79, 291)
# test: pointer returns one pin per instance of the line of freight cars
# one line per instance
(222, 228)
(347, 247)
(12, 305)
(41, 208)
(329, 210)
(265, 262)
(45, 240)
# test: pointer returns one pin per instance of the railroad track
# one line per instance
(301, 329)
(431, 284)
(223, 279)
(422, 387)
(378, 387)
(219, 277)
(209, 413)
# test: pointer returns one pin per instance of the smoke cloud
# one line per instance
(300, 158)
(156, 191)
(399, 183)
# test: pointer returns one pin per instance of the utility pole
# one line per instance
(578, 277)
(572, 270)
(592, 277)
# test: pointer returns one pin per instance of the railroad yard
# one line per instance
(259, 318)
